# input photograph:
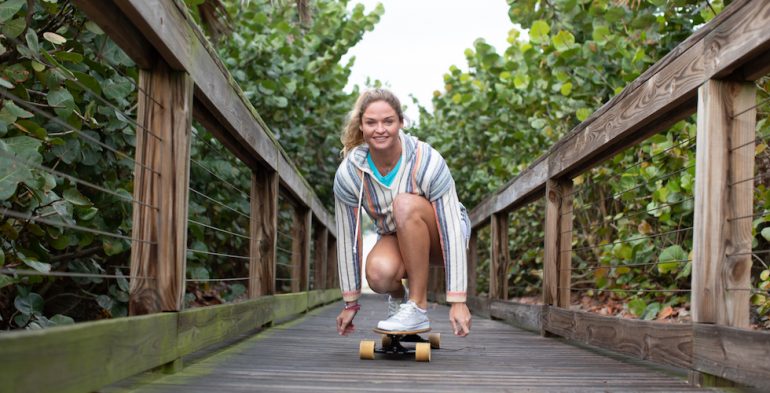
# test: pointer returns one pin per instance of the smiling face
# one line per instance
(380, 124)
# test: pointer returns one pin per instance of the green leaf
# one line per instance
(566, 89)
(9, 8)
(122, 281)
(671, 258)
(113, 246)
(4, 83)
(59, 320)
(16, 111)
(637, 307)
(2, 257)
(73, 196)
(563, 41)
(104, 302)
(29, 304)
(765, 275)
(12, 171)
(54, 38)
(32, 42)
(601, 34)
(521, 81)
(651, 311)
(6, 281)
(766, 233)
(35, 264)
(539, 31)
(583, 113)
(62, 101)
(13, 28)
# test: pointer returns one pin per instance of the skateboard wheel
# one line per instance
(366, 350)
(435, 340)
(386, 341)
(422, 352)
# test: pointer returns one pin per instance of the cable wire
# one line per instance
(217, 254)
(219, 203)
(217, 229)
(25, 272)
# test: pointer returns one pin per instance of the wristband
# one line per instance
(354, 307)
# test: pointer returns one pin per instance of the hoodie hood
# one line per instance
(408, 147)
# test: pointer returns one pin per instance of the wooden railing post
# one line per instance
(721, 264)
(331, 263)
(321, 257)
(557, 260)
(500, 258)
(473, 262)
(161, 184)
(300, 248)
(262, 229)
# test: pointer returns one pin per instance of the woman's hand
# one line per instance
(345, 321)
(460, 317)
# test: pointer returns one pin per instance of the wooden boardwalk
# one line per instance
(308, 355)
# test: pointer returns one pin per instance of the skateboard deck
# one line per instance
(390, 344)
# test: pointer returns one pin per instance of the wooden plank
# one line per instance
(500, 260)
(740, 39)
(201, 327)
(557, 260)
(112, 21)
(332, 280)
(321, 257)
(300, 249)
(321, 297)
(736, 354)
(473, 262)
(161, 221)
(86, 356)
(481, 213)
(263, 228)
(660, 342)
(525, 316)
(530, 183)
(721, 280)
(168, 27)
(478, 305)
(288, 304)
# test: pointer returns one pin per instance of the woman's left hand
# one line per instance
(460, 317)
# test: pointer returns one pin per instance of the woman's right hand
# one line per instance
(345, 322)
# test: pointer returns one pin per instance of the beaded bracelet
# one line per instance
(354, 307)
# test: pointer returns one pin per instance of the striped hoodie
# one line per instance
(423, 172)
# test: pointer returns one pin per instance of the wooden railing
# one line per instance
(710, 74)
(181, 79)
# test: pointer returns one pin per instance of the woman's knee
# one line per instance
(408, 207)
(381, 273)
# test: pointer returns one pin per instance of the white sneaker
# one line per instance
(409, 317)
(394, 303)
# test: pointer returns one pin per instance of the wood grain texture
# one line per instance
(300, 249)
(320, 256)
(473, 262)
(736, 354)
(332, 278)
(161, 221)
(525, 316)
(529, 184)
(169, 29)
(500, 257)
(310, 356)
(83, 357)
(665, 343)
(556, 280)
(721, 280)
(263, 226)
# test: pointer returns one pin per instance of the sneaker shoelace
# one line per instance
(405, 312)
(393, 305)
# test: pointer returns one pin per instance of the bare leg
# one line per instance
(385, 268)
(418, 240)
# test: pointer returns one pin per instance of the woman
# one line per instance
(406, 188)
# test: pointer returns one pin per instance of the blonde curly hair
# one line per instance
(352, 135)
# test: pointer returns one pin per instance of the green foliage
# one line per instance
(293, 76)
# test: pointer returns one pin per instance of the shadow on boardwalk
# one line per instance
(308, 355)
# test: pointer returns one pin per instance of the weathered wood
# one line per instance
(263, 227)
(309, 356)
(169, 28)
(525, 316)
(557, 260)
(478, 305)
(473, 262)
(527, 186)
(300, 249)
(161, 183)
(201, 327)
(332, 279)
(112, 21)
(320, 297)
(565, 244)
(321, 258)
(665, 93)
(720, 279)
(500, 257)
(85, 356)
(736, 354)
(660, 342)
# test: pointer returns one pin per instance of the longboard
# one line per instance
(390, 344)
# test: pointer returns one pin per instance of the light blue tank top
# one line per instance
(387, 180)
